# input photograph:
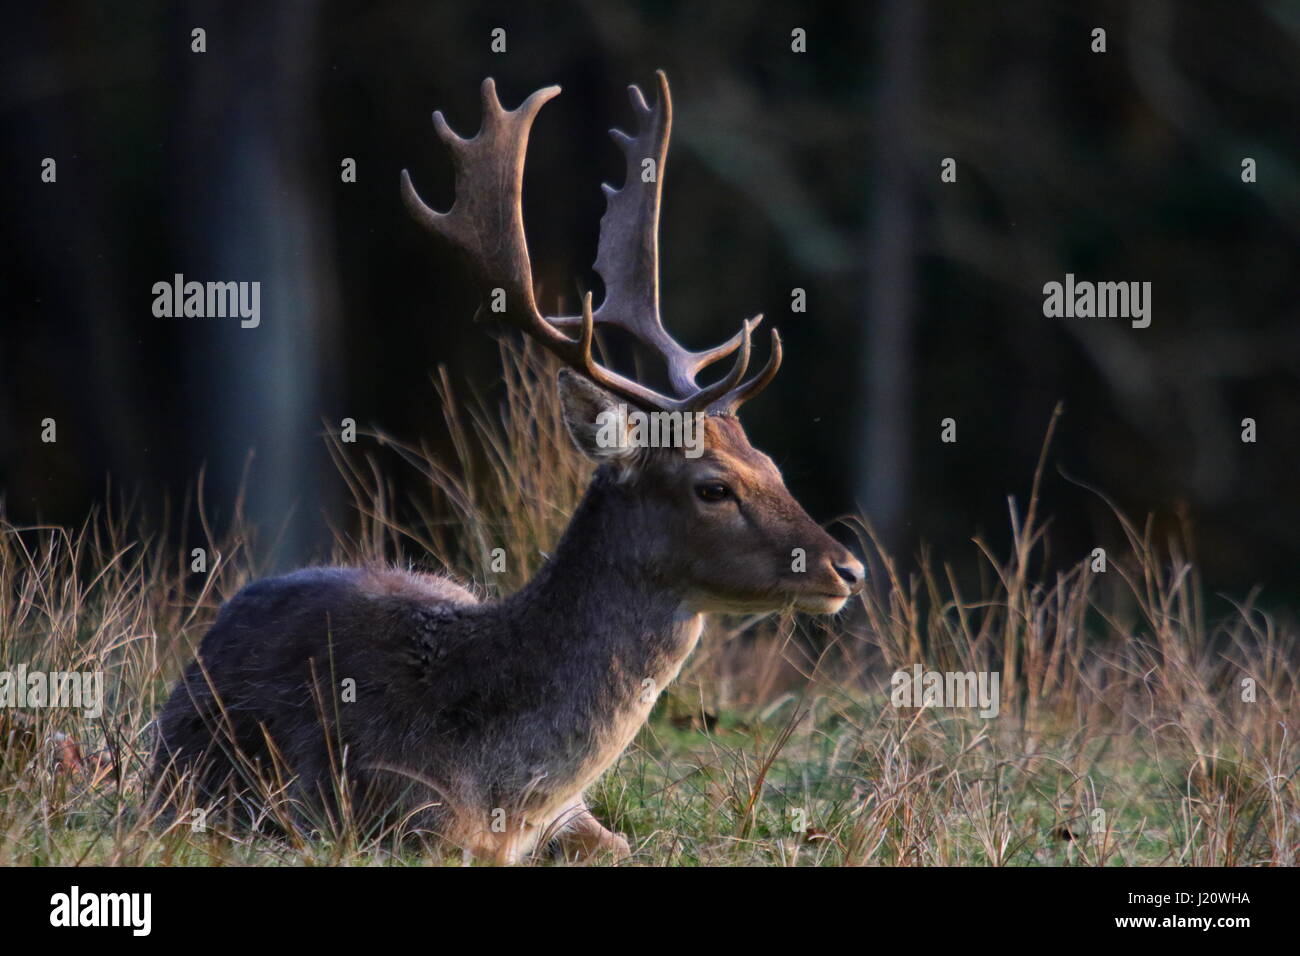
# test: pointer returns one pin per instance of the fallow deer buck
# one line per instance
(481, 724)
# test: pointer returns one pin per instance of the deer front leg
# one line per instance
(582, 836)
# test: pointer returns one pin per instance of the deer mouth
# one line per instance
(821, 602)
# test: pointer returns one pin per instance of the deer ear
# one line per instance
(596, 420)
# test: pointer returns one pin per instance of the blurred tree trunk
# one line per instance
(885, 441)
(248, 204)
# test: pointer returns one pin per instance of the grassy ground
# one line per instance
(1133, 728)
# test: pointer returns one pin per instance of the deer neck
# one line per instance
(604, 592)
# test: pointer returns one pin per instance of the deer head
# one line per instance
(719, 526)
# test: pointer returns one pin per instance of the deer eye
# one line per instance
(712, 491)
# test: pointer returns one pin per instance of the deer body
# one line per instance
(374, 694)
(461, 708)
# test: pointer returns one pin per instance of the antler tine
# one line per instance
(683, 365)
(583, 360)
(730, 402)
(705, 397)
(486, 219)
(628, 255)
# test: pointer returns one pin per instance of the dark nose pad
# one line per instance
(851, 572)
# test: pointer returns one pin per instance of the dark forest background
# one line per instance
(818, 170)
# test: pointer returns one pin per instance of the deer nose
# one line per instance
(851, 572)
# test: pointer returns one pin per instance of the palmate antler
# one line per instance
(486, 223)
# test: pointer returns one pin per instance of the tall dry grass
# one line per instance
(1134, 726)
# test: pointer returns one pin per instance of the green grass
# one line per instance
(839, 792)
(1123, 737)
